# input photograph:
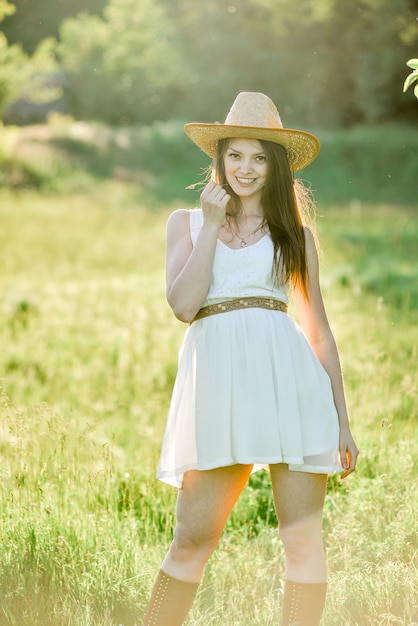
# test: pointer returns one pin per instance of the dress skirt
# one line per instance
(249, 390)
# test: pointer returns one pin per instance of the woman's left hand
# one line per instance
(348, 452)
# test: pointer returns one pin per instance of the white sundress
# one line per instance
(249, 388)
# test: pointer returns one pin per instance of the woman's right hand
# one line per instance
(214, 200)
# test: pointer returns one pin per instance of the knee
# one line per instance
(192, 544)
(301, 541)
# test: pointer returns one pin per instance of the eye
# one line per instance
(261, 158)
(233, 155)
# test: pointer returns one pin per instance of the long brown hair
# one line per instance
(287, 206)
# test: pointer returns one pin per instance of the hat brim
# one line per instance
(302, 148)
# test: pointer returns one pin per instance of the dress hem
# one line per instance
(174, 478)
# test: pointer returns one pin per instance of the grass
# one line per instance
(88, 359)
(374, 164)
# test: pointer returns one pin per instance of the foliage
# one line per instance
(413, 76)
(21, 77)
(122, 66)
(41, 66)
(87, 365)
(145, 61)
(137, 61)
(360, 73)
(12, 60)
(6, 9)
(364, 163)
(368, 163)
(11, 57)
(47, 15)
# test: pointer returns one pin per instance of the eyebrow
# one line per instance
(230, 147)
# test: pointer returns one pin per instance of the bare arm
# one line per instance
(188, 267)
(315, 324)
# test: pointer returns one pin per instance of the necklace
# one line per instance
(243, 239)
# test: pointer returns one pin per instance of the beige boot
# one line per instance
(303, 603)
(170, 601)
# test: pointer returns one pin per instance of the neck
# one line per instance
(250, 208)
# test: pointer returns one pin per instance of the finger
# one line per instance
(225, 199)
(222, 196)
(213, 194)
(344, 459)
(209, 188)
(218, 192)
(352, 461)
(217, 197)
(347, 473)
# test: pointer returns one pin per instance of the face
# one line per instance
(245, 167)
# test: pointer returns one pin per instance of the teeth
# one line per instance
(246, 180)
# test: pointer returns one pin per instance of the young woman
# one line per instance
(254, 389)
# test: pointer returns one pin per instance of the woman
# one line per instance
(253, 389)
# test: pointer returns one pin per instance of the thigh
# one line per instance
(298, 496)
(206, 499)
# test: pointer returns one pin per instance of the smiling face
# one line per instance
(245, 166)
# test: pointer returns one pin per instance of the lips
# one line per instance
(246, 181)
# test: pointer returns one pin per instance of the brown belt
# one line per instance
(240, 303)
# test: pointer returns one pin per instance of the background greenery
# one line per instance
(325, 62)
(87, 364)
(134, 70)
(361, 164)
(89, 345)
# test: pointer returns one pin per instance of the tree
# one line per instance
(347, 56)
(11, 62)
(32, 21)
(325, 62)
(377, 58)
(226, 48)
(6, 9)
(121, 68)
(23, 77)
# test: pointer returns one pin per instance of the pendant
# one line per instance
(243, 243)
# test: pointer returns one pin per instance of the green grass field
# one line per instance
(87, 362)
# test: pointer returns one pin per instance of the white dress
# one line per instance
(249, 388)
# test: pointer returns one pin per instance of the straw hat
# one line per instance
(254, 116)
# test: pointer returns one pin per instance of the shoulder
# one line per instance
(178, 227)
(185, 216)
(311, 244)
(310, 237)
(178, 217)
(184, 224)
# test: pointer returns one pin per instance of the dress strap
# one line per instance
(196, 221)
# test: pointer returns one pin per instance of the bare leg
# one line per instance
(299, 499)
(203, 506)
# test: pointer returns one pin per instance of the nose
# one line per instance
(245, 166)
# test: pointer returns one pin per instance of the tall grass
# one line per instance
(87, 363)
